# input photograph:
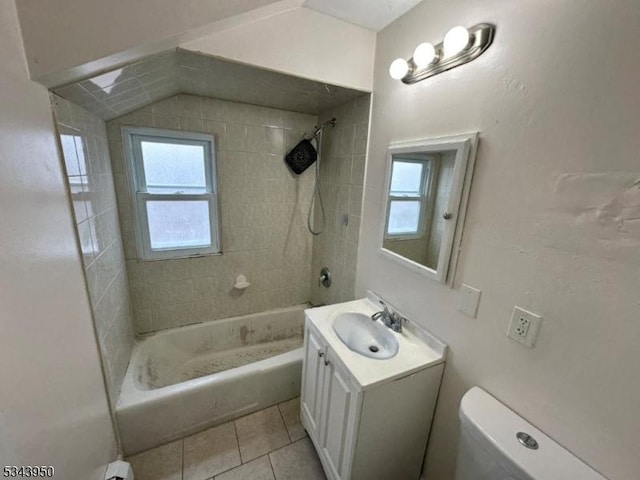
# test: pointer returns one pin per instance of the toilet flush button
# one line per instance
(527, 440)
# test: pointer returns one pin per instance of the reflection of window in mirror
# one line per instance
(420, 185)
(408, 193)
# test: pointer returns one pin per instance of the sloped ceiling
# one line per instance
(371, 14)
(61, 35)
(120, 91)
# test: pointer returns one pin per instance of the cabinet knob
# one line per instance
(320, 353)
(326, 362)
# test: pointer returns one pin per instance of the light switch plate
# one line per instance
(524, 326)
(468, 300)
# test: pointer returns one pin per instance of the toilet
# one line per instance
(497, 444)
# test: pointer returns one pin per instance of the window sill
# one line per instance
(179, 257)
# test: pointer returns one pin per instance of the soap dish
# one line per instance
(241, 283)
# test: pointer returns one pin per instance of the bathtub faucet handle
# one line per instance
(325, 278)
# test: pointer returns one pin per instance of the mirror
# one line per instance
(424, 192)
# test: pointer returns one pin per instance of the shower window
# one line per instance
(173, 186)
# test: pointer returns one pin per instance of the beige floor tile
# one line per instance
(260, 433)
(161, 463)
(258, 469)
(210, 452)
(291, 415)
(297, 461)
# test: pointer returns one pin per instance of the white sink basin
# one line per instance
(364, 336)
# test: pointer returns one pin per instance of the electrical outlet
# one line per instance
(524, 326)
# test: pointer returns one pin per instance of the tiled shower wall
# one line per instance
(83, 137)
(341, 179)
(263, 214)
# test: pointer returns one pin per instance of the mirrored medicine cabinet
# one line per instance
(427, 185)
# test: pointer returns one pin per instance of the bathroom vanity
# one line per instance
(368, 418)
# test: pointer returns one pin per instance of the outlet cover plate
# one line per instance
(468, 300)
(524, 326)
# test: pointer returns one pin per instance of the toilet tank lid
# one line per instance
(495, 426)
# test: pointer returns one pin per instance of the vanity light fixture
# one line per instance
(398, 68)
(455, 41)
(460, 45)
(424, 54)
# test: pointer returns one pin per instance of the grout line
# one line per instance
(106, 289)
(285, 446)
(285, 423)
(271, 465)
(240, 466)
(235, 429)
(182, 456)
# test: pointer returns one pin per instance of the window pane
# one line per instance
(173, 167)
(69, 154)
(404, 217)
(82, 162)
(73, 153)
(179, 224)
(406, 178)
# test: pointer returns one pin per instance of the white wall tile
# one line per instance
(100, 239)
(342, 175)
(260, 202)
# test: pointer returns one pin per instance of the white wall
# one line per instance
(552, 224)
(69, 39)
(53, 402)
(301, 42)
(64, 34)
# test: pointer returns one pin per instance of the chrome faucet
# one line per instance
(392, 320)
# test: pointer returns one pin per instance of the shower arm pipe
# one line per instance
(319, 128)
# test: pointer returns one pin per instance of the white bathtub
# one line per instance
(186, 379)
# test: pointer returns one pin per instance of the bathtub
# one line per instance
(187, 379)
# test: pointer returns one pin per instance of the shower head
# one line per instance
(324, 125)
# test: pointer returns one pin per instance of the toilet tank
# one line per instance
(490, 450)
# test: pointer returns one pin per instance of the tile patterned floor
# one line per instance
(270, 444)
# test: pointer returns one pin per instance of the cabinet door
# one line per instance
(312, 381)
(338, 416)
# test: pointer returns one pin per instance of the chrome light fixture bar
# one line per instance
(460, 46)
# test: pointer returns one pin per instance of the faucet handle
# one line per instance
(383, 313)
(384, 306)
(396, 322)
(399, 318)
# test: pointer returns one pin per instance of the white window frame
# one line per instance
(426, 183)
(132, 138)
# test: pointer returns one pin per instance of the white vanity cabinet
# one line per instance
(374, 431)
(328, 403)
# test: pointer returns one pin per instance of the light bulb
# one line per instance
(424, 54)
(455, 41)
(398, 68)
